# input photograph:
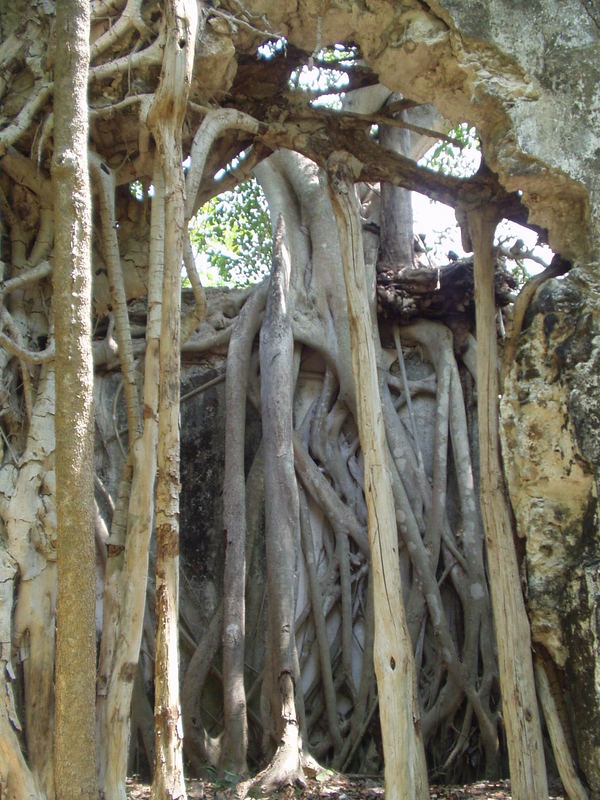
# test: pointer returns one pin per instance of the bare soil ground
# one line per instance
(339, 787)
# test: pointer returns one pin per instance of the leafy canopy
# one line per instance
(232, 232)
(232, 236)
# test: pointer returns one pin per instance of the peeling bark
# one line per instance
(166, 119)
(520, 707)
(405, 770)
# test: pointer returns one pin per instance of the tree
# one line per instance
(75, 740)
(233, 233)
(302, 605)
(166, 119)
(396, 679)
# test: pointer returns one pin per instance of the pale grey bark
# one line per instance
(281, 515)
(128, 48)
(235, 734)
(396, 246)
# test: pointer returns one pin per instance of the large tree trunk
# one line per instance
(405, 768)
(75, 744)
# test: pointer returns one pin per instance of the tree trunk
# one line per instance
(281, 518)
(16, 779)
(166, 120)
(127, 613)
(235, 720)
(142, 123)
(396, 248)
(405, 769)
(75, 744)
(519, 701)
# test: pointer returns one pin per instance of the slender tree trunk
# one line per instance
(565, 764)
(16, 779)
(281, 520)
(75, 745)
(168, 767)
(166, 119)
(114, 711)
(396, 247)
(519, 701)
(281, 513)
(235, 720)
(405, 768)
(232, 752)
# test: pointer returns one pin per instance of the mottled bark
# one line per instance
(75, 744)
(482, 72)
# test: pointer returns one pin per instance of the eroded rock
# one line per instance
(550, 432)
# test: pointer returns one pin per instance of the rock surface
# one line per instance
(550, 444)
(509, 68)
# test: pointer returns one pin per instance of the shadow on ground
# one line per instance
(338, 787)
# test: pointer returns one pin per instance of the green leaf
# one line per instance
(232, 233)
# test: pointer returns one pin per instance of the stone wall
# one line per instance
(550, 430)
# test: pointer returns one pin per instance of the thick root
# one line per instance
(286, 769)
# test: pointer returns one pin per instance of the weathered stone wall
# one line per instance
(551, 430)
(203, 422)
(525, 73)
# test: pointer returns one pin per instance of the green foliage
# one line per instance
(232, 235)
(232, 232)
(522, 254)
(462, 160)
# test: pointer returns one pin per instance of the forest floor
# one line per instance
(339, 787)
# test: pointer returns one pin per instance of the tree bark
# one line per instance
(281, 516)
(560, 747)
(166, 119)
(128, 612)
(396, 246)
(16, 779)
(519, 703)
(405, 768)
(75, 746)
(235, 720)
